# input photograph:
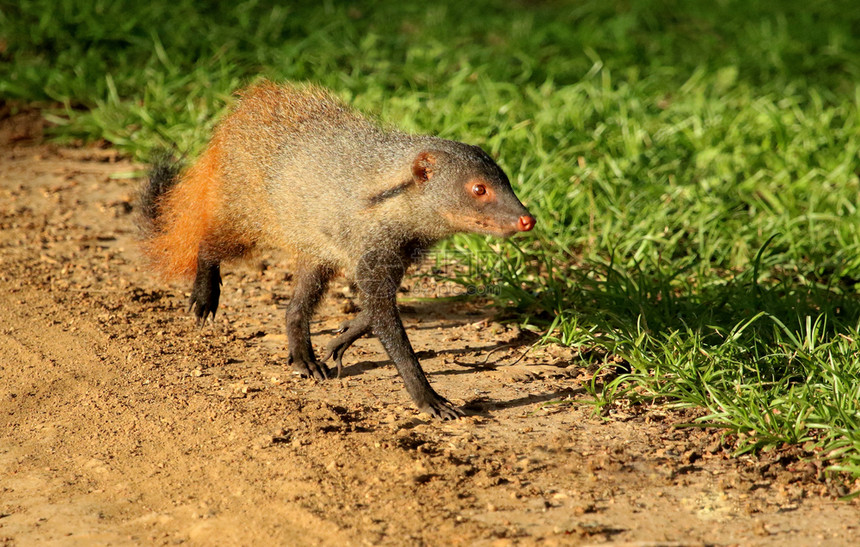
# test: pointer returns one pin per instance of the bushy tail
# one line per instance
(163, 175)
(176, 210)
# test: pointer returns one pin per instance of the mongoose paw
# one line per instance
(206, 292)
(337, 352)
(441, 408)
(349, 332)
(336, 349)
(311, 369)
(203, 306)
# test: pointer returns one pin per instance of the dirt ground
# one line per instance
(123, 423)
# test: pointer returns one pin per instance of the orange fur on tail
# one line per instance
(185, 217)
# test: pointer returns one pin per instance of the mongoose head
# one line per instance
(470, 191)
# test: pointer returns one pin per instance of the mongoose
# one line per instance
(294, 168)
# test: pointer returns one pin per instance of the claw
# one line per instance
(349, 331)
(202, 312)
(442, 409)
(311, 369)
(337, 352)
(339, 363)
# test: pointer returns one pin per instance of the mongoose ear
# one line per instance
(422, 167)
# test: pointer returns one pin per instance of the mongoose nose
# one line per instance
(526, 223)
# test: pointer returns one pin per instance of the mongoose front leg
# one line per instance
(351, 331)
(207, 289)
(311, 286)
(378, 279)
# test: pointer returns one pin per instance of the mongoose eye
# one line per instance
(479, 189)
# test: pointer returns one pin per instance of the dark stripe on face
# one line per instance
(390, 193)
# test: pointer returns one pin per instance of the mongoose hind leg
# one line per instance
(311, 286)
(207, 289)
(351, 330)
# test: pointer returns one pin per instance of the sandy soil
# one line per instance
(123, 423)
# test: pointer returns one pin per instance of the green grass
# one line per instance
(693, 165)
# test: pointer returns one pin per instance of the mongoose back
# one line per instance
(294, 168)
